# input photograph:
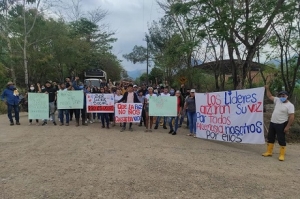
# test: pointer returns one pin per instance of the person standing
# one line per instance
(165, 93)
(129, 97)
(62, 112)
(78, 86)
(51, 92)
(10, 96)
(190, 106)
(179, 107)
(33, 90)
(281, 120)
(146, 107)
(104, 116)
(117, 97)
(141, 98)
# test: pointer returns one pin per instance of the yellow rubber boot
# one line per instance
(269, 151)
(281, 153)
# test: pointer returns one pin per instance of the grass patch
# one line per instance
(3, 108)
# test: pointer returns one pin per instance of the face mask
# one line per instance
(283, 99)
(172, 92)
(32, 88)
(80, 87)
(43, 87)
(11, 87)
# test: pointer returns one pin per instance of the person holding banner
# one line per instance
(80, 86)
(142, 100)
(190, 106)
(165, 93)
(281, 120)
(179, 107)
(146, 106)
(51, 92)
(129, 97)
(118, 95)
(104, 116)
(33, 90)
(61, 112)
(10, 96)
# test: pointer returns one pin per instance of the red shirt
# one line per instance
(178, 104)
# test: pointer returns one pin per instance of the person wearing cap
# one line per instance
(129, 97)
(281, 120)
(10, 96)
(135, 89)
(51, 92)
(190, 106)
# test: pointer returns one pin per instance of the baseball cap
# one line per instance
(283, 93)
(192, 91)
(134, 86)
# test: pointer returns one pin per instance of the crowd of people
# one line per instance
(124, 92)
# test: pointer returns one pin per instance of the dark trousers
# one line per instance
(111, 116)
(71, 111)
(77, 114)
(143, 119)
(104, 119)
(16, 110)
(37, 121)
(277, 130)
(124, 125)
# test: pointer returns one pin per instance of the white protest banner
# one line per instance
(128, 112)
(100, 103)
(38, 106)
(70, 99)
(231, 116)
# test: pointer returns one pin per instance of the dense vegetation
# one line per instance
(37, 45)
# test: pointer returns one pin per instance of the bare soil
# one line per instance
(89, 162)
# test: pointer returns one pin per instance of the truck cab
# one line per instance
(95, 77)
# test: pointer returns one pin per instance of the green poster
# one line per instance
(38, 106)
(70, 100)
(163, 106)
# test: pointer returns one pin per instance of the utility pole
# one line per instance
(147, 40)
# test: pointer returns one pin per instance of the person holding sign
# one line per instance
(281, 121)
(147, 97)
(165, 93)
(129, 97)
(190, 106)
(77, 87)
(10, 96)
(104, 116)
(51, 92)
(179, 107)
(33, 90)
(62, 112)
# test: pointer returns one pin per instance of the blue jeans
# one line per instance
(61, 113)
(9, 114)
(104, 116)
(51, 111)
(158, 120)
(192, 117)
(176, 123)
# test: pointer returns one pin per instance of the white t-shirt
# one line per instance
(281, 111)
(163, 94)
(117, 98)
(148, 96)
(130, 97)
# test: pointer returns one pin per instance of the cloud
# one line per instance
(129, 18)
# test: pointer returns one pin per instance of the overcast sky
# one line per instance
(129, 18)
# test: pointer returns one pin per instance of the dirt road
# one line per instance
(89, 162)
